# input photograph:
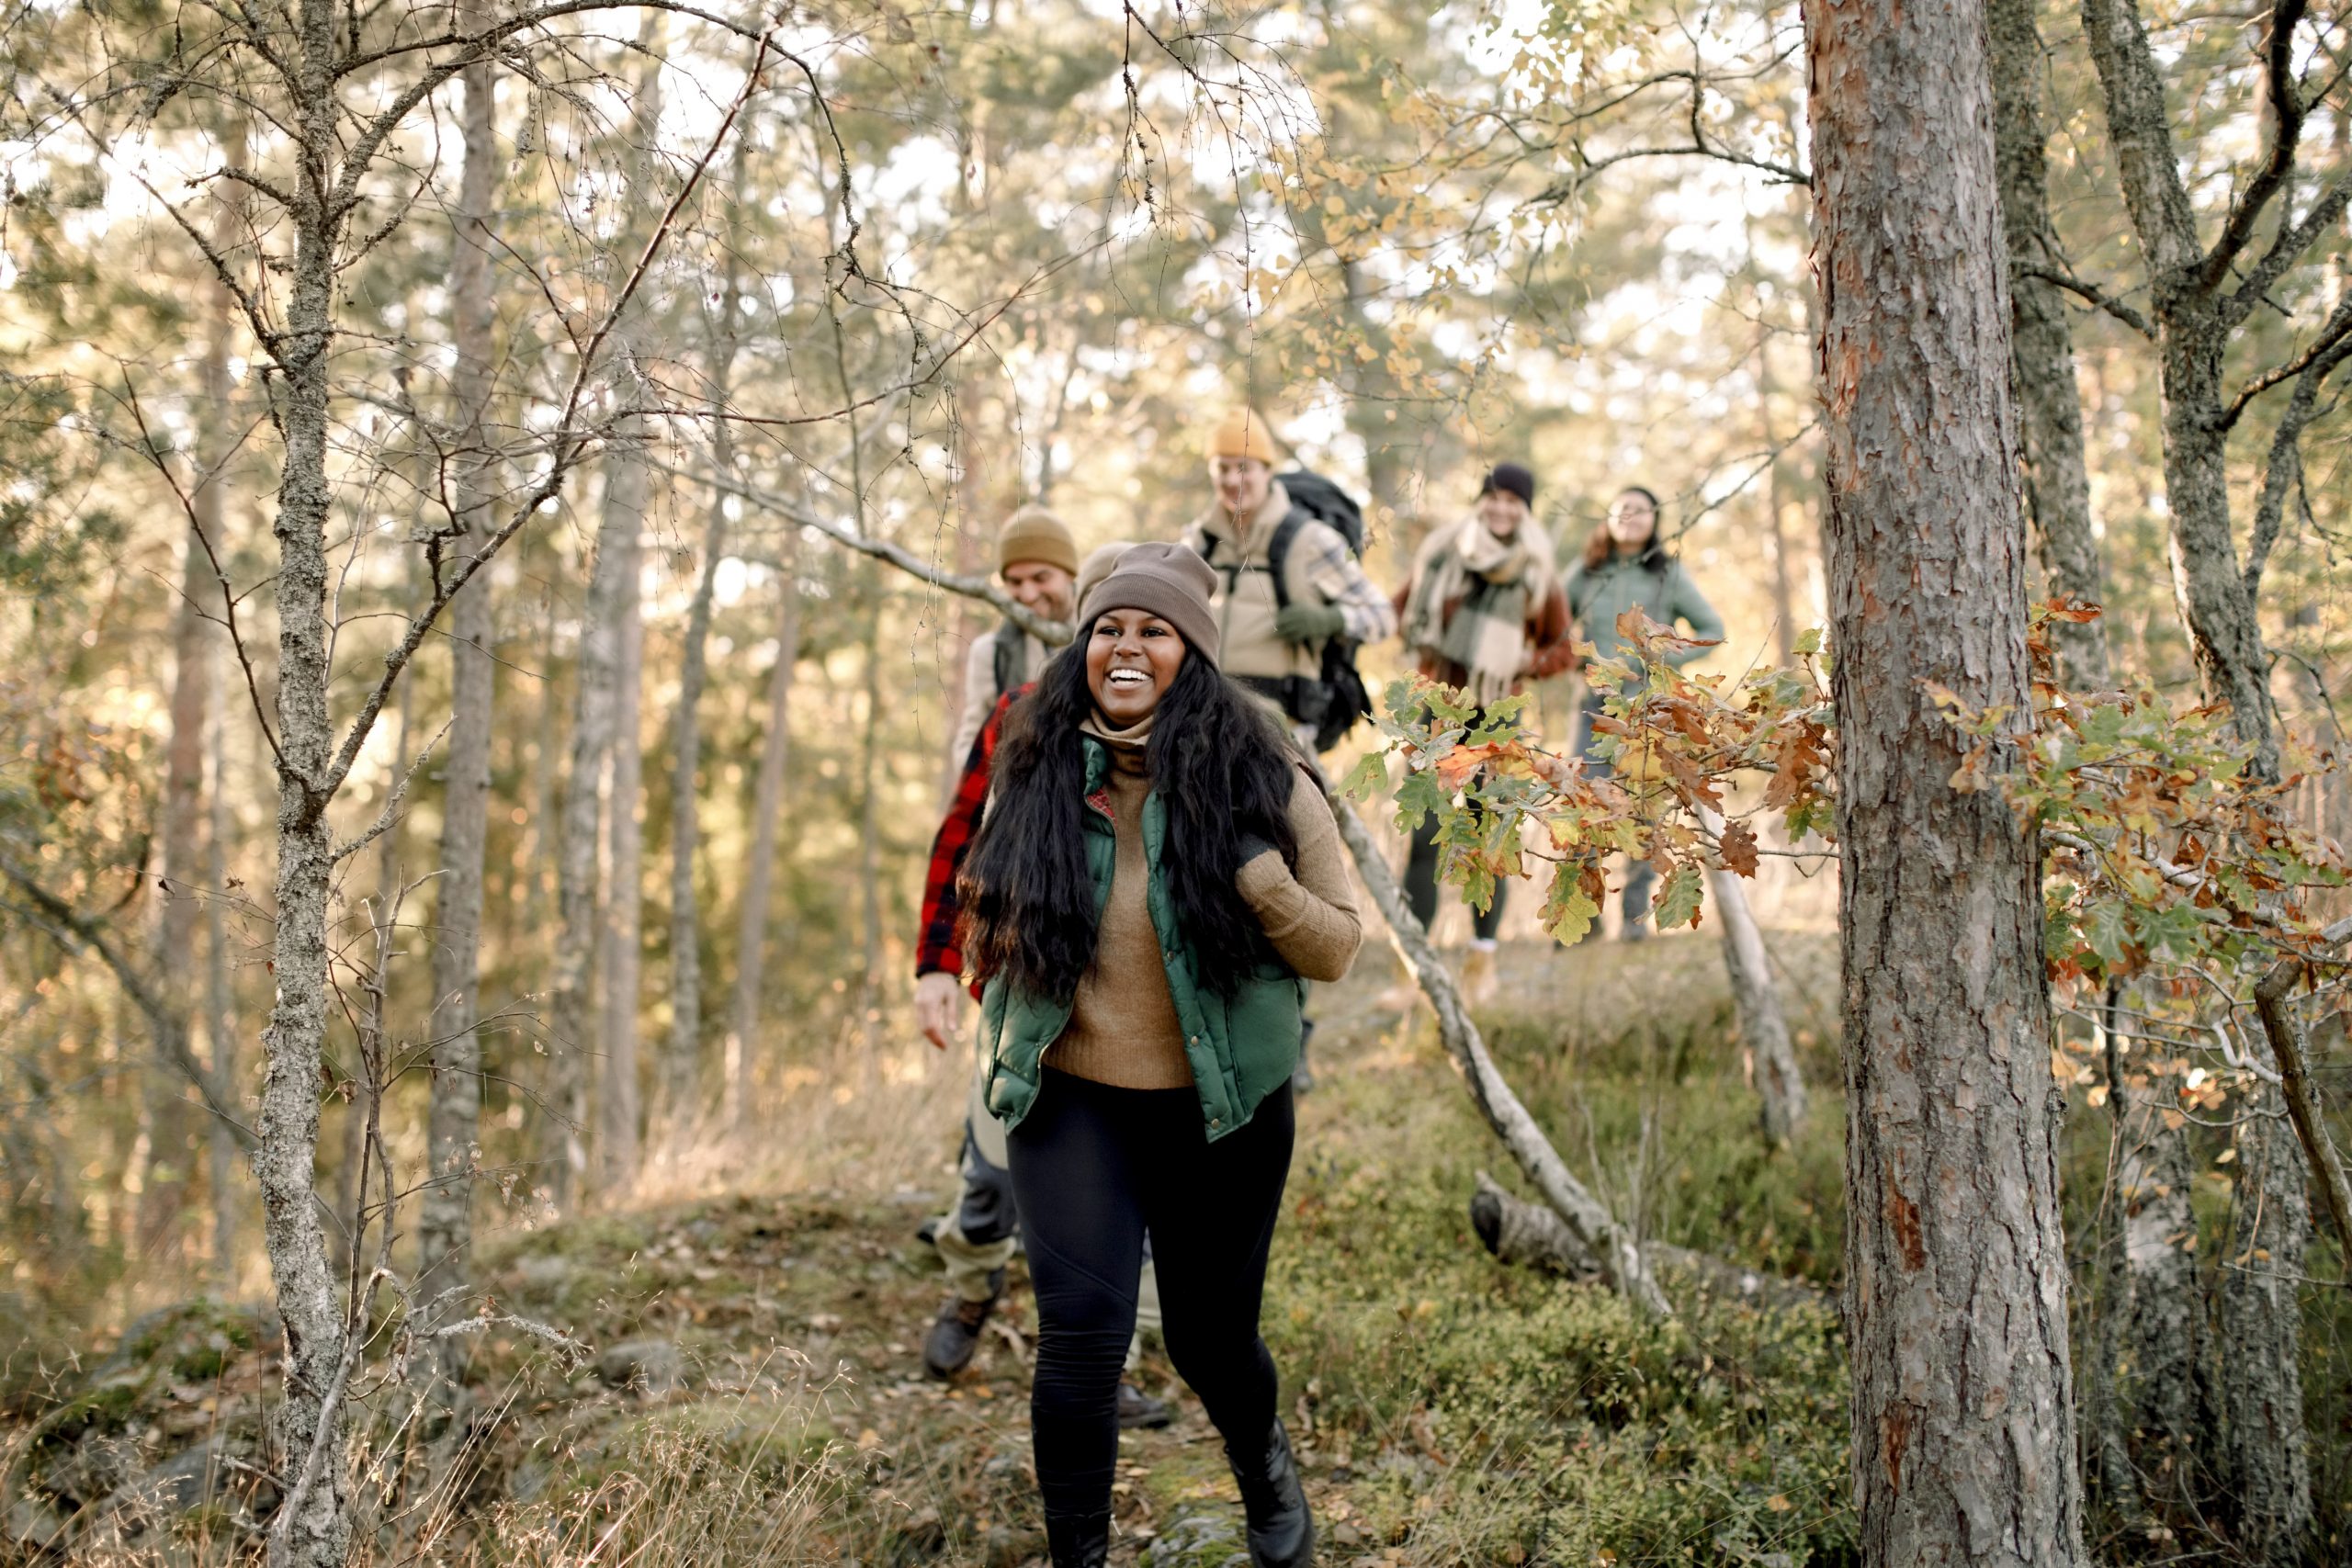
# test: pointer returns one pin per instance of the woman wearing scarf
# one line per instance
(1483, 611)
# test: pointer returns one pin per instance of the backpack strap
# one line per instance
(1006, 658)
(1278, 552)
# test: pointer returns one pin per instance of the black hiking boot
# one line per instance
(1078, 1541)
(1282, 1531)
(955, 1332)
(1138, 1409)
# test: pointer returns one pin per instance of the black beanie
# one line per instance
(1512, 478)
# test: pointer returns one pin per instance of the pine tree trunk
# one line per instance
(2265, 1490)
(444, 1220)
(617, 1099)
(752, 920)
(1963, 1440)
(313, 1530)
(2042, 346)
(2262, 1483)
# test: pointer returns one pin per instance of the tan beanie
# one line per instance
(1171, 582)
(1243, 435)
(1034, 533)
(1098, 564)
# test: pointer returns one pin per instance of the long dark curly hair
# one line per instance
(1224, 772)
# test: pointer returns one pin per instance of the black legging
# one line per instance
(1421, 885)
(1096, 1168)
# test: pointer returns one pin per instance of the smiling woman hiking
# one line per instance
(1153, 881)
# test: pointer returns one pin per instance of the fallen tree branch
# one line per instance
(1530, 1235)
(1621, 1262)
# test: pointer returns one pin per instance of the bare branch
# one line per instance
(2285, 116)
(2294, 240)
(2091, 294)
(392, 812)
(1051, 633)
(2333, 332)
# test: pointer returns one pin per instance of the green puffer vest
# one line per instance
(1241, 1050)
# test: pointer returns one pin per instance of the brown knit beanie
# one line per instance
(1034, 533)
(1171, 582)
(1243, 434)
(1098, 564)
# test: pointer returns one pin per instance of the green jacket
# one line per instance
(1241, 1050)
(1667, 594)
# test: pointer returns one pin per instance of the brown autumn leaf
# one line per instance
(1739, 848)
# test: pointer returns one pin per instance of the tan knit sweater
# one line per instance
(1123, 1028)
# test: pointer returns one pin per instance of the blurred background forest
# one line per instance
(939, 263)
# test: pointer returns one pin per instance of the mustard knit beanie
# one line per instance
(1243, 435)
(1034, 533)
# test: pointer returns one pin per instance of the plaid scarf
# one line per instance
(1470, 597)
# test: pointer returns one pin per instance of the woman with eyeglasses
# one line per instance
(1625, 566)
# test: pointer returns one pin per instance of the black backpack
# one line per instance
(1336, 699)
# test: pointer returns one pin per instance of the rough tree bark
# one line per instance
(768, 803)
(682, 1062)
(316, 1531)
(1963, 1441)
(2042, 345)
(444, 1219)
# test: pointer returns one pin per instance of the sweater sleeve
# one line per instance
(1690, 607)
(1310, 917)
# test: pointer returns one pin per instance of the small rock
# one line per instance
(649, 1366)
(33, 1526)
(543, 1270)
(1193, 1540)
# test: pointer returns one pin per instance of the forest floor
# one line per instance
(756, 1392)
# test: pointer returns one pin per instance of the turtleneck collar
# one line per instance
(1126, 746)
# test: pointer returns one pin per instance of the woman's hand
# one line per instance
(939, 1007)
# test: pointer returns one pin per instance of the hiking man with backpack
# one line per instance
(1293, 602)
(1037, 558)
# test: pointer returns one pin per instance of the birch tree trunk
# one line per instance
(2042, 345)
(219, 1039)
(1963, 1442)
(573, 1019)
(682, 1062)
(617, 1099)
(444, 1222)
(767, 804)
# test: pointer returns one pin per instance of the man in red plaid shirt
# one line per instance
(977, 1238)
